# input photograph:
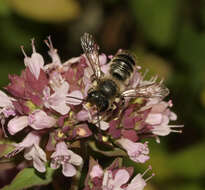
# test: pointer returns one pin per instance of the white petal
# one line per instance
(154, 118)
(17, 124)
(4, 100)
(75, 94)
(68, 170)
(75, 158)
(137, 183)
(121, 177)
(61, 108)
(104, 125)
(161, 130)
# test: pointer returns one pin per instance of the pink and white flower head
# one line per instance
(32, 151)
(67, 158)
(137, 152)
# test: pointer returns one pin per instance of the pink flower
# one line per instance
(114, 177)
(66, 158)
(32, 151)
(40, 120)
(137, 151)
(53, 54)
(159, 117)
(60, 98)
(37, 120)
(35, 62)
(120, 178)
(38, 156)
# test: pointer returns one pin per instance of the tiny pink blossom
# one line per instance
(60, 98)
(17, 124)
(53, 54)
(96, 171)
(83, 115)
(38, 156)
(40, 120)
(120, 178)
(159, 117)
(35, 62)
(32, 151)
(66, 158)
(137, 152)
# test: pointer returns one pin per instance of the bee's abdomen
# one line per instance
(122, 66)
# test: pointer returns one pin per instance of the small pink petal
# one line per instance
(137, 183)
(83, 115)
(75, 159)
(104, 125)
(136, 151)
(96, 171)
(77, 97)
(154, 118)
(5, 100)
(31, 139)
(38, 156)
(68, 170)
(39, 120)
(172, 116)
(61, 108)
(121, 177)
(17, 124)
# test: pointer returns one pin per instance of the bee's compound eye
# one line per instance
(93, 96)
(98, 98)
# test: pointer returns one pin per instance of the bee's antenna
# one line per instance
(84, 100)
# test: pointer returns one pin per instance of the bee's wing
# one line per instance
(153, 90)
(91, 49)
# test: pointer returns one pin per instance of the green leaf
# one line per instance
(190, 50)
(187, 186)
(190, 162)
(190, 47)
(157, 19)
(28, 177)
(4, 8)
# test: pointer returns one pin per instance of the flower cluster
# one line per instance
(47, 104)
(115, 177)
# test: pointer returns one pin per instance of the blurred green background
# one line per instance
(168, 36)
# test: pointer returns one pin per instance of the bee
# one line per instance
(107, 87)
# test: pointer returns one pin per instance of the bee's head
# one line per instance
(97, 98)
